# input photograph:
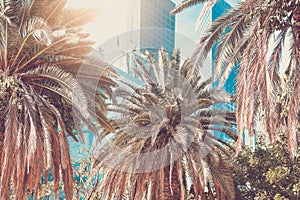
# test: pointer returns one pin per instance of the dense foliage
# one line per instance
(267, 172)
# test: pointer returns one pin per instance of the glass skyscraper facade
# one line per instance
(155, 14)
(146, 25)
(209, 13)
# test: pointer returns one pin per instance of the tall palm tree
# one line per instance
(164, 145)
(243, 35)
(42, 48)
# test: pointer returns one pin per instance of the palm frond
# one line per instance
(42, 50)
(47, 9)
(222, 176)
(39, 29)
(165, 117)
(77, 17)
(294, 101)
(64, 80)
(243, 36)
(10, 10)
(228, 45)
(213, 34)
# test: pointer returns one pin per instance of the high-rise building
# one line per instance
(146, 25)
(209, 13)
(155, 14)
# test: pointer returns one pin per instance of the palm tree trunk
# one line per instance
(2, 128)
(296, 18)
(1, 148)
(171, 191)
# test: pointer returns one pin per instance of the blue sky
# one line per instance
(185, 26)
(185, 21)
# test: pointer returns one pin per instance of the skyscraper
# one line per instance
(146, 25)
(155, 14)
(209, 13)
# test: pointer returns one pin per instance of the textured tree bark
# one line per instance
(171, 192)
(3, 100)
(1, 148)
(296, 18)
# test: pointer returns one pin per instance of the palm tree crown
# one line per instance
(245, 36)
(164, 146)
(41, 50)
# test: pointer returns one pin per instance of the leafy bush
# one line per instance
(268, 172)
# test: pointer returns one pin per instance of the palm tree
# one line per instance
(164, 145)
(244, 36)
(42, 48)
